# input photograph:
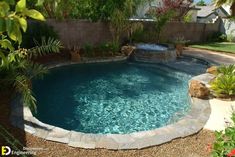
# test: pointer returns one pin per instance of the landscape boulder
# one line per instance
(212, 70)
(75, 56)
(198, 90)
(127, 50)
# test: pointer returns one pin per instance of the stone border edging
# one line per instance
(87, 61)
(192, 123)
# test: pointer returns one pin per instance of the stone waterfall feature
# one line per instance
(153, 53)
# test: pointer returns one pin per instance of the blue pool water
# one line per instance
(112, 97)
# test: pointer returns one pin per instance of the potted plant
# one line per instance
(180, 44)
(75, 54)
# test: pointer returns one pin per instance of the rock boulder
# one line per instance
(127, 50)
(198, 90)
(212, 70)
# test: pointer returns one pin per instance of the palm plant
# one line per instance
(19, 73)
(119, 23)
(224, 85)
(226, 70)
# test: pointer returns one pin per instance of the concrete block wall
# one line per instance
(80, 32)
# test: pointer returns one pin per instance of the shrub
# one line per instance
(103, 48)
(230, 38)
(88, 50)
(16, 65)
(224, 85)
(201, 3)
(188, 17)
(137, 36)
(144, 36)
(226, 70)
(225, 142)
(217, 37)
(108, 48)
(114, 47)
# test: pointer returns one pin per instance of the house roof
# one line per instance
(205, 11)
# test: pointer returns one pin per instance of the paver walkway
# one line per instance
(220, 114)
(218, 57)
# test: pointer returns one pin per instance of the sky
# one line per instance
(207, 1)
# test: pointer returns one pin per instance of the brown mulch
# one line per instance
(192, 146)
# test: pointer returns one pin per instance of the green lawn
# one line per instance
(223, 46)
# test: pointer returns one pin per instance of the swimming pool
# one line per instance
(114, 98)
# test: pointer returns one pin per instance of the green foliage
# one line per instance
(114, 47)
(93, 10)
(217, 46)
(201, 3)
(226, 70)
(13, 21)
(59, 9)
(18, 70)
(225, 142)
(188, 17)
(16, 67)
(230, 37)
(224, 85)
(103, 47)
(104, 9)
(138, 36)
(102, 50)
(115, 11)
(37, 31)
(134, 28)
(217, 37)
(119, 22)
(144, 36)
(88, 49)
(161, 20)
(46, 46)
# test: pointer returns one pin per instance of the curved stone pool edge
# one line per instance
(192, 123)
(89, 61)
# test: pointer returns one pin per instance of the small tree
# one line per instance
(180, 7)
(160, 20)
(119, 20)
(59, 9)
(201, 3)
(170, 9)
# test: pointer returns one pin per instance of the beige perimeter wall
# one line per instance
(79, 32)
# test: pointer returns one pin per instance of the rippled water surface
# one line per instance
(152, 47)
(112, 97)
